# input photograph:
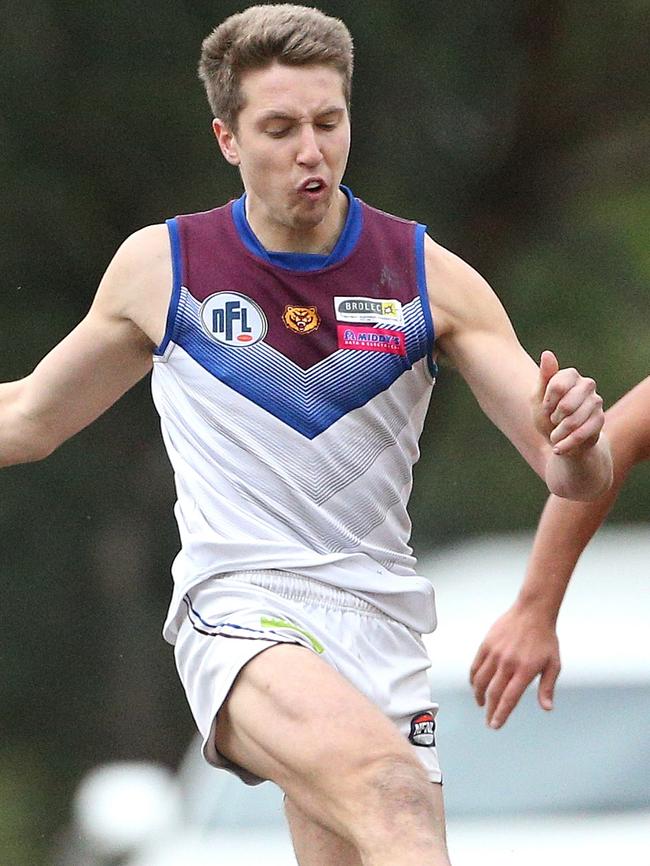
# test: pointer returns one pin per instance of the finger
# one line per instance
(497, 687)
(548, 367)
(547, 682)
(482, 680)
(509, 699)
(559, 387)
(586, 435)
(479, 658)
(590, 408)
(582, 391)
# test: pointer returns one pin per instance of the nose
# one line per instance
(309, 152)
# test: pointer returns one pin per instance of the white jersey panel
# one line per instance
(253, 493)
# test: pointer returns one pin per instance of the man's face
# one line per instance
(291, 145)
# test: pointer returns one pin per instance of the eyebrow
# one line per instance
(283, 115)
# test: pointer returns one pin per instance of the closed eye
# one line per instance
(278, 133)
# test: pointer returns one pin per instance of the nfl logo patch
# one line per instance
(423, 729)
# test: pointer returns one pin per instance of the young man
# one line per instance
(523, 642)
(291, 335)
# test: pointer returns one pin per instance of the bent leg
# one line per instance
(314, 844)
(292, 718)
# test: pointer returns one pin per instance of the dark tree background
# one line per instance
(517, 130)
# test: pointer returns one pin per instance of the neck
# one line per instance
(319, 238)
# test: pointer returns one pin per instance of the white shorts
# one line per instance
(232, 618)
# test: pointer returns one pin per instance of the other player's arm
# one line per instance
(523, 642)
(105, 355)
(553, 417)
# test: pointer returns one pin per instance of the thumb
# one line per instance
(548, 367)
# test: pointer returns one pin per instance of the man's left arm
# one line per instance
(553, 417)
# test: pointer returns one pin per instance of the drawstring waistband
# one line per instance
(297, 587)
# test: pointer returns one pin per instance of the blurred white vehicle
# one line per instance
(569, 786)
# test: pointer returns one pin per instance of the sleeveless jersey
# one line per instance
(292, 390)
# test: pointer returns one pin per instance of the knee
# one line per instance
(397, 810)
(397, 779)
(384, 790)
(378, 802)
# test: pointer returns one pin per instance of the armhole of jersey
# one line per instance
(177, 279)
(420, 231)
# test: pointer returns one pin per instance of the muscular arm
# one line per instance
(523, 642)
(553, 417)
(104, 356)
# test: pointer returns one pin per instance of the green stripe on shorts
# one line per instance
(270, 622)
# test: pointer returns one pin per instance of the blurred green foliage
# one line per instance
(517, 130)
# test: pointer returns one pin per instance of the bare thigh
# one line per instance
(290, 717)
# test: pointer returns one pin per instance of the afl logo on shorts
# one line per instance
(233, 319)
(423, 730)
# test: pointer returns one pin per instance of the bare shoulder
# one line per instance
(148, 242)
(460, 298)
(137, 284)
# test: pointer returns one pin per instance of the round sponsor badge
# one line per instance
(233, 319)
(423, 730)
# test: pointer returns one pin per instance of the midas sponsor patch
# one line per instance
(371, 339)
(368, 310)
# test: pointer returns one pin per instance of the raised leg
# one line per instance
(292, 718)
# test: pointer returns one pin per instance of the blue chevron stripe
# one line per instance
(309, 400)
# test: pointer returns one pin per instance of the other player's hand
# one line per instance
(567, 408)
(517, 648)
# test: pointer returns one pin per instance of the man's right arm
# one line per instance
(104, 356)
(523, 642)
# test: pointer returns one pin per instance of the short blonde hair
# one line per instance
(253, 39)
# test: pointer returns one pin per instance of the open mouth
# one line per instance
(313, 187)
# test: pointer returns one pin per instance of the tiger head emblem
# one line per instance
(301, 320)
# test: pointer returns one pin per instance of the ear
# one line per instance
(226, 140)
